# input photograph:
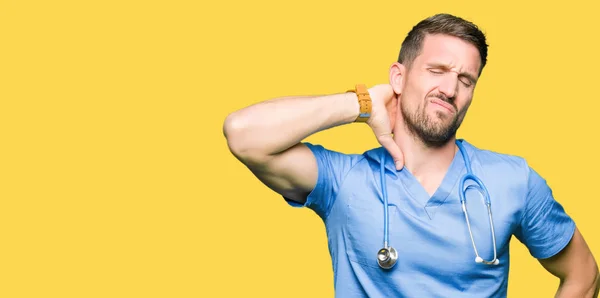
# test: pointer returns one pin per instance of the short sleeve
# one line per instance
(545, 227)
(332, 169)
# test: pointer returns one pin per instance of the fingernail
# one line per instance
(398, 166)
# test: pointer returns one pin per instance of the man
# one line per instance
(415, 118)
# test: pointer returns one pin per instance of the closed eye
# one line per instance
(466, 82)
(465, 79)
(435, 71)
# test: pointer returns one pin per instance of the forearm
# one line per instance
(273, 126)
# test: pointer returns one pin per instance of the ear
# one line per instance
(397, 75)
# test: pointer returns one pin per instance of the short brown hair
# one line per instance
(442, 24)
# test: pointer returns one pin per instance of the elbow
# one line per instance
(597, 284)
(593, 283)
(583, 283)
(231, 126)
(236, 132)
(233, 130)
(592, 287)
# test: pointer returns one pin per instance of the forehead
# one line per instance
(451, 51)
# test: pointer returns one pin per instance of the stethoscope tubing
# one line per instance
(468, 176)
(386, 219)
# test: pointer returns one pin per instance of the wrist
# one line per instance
(363, 99)
(351, 106)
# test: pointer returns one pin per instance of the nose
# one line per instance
(449, 85)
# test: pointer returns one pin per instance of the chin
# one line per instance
(442, 121)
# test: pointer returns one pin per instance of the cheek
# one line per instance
(420, 86)
(426, 85)
(414, 95)
(411, 103)
(464, 100)
(463, 109)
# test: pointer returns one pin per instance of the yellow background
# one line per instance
(115, 178)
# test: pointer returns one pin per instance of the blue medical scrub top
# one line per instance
(435, 254)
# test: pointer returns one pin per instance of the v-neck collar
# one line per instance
(413, 187)
(418, 193)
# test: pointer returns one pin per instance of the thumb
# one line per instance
(388, 143)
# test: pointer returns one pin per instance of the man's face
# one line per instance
(438, 88)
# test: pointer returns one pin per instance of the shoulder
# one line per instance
(512, 169)
(509, 175)
(491, 159)
(335, 157)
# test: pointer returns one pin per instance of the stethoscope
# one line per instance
(387, 256)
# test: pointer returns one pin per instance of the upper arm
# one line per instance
(292, 173)
(545, 226)
(575, 266)
(551, 236)
(306, 175)
(575, 259)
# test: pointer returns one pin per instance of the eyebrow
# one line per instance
(467, 75)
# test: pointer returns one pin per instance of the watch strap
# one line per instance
(364, 101)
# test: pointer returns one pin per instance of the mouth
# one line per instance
(443, 104)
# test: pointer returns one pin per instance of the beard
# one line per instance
(433, 131)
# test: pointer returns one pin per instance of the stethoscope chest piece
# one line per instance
(387, 257)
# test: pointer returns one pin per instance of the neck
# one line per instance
(423, 160)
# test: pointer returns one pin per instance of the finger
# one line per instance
(398, 117)
(388, 143)
(393, 111)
